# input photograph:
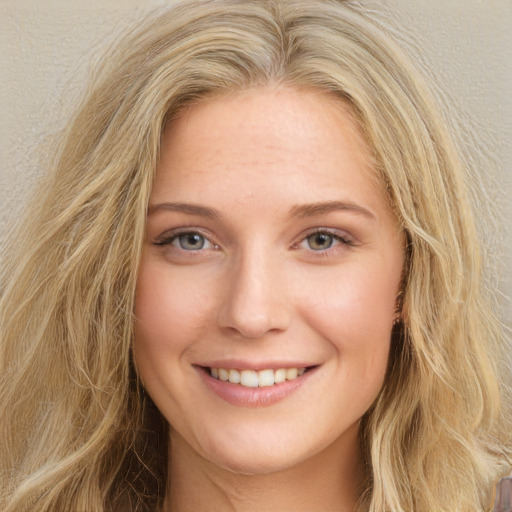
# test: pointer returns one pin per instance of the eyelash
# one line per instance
(343, 240)
(169, 239)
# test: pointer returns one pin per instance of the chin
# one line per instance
(262, 464)
(257, 453)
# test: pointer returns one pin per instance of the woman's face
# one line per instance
(272, 258)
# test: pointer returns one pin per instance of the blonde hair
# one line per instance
(77, 431)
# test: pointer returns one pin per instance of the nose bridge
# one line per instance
(255, 301)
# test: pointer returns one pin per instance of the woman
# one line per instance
(253, 283)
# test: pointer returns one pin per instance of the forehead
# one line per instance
(288, 113)
(268, 141)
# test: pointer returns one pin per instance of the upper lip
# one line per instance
(255, 365)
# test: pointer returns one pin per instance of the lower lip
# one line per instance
(243, 396)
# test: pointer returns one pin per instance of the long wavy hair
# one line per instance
(77, 432)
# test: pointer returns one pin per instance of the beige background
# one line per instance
(46, 45)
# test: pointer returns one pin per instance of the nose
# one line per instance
(255, 301)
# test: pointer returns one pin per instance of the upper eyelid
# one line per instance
(342, 242)
(336, 233)
(171, 234)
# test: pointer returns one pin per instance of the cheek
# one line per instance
(354, 311)
(170, 312)
(356, 301)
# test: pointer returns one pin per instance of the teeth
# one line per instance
(279, 375)
(234, 376)
(254, 379)
(291, 373)
(249, 378)
(266, 378)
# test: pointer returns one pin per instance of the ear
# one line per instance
(400, 305)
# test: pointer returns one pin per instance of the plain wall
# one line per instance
(46, 45)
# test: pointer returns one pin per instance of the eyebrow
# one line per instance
(310, 210)
(301, 211)
(191, 209)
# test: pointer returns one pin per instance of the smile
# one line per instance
(254, 379)
(255, 388)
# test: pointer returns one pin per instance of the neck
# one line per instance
(329, 481)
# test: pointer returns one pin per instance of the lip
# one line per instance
(242, 396)
(240, 364)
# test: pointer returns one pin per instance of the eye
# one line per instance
(320, 241)
(324, 241)
(190, 241)
(186, 241)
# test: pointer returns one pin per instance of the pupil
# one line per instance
(320, 241)
(192, 241)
